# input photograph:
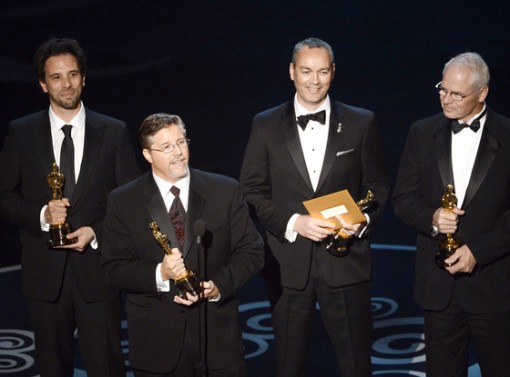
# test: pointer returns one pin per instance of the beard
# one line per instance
(69, 104)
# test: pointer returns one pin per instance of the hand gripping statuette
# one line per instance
(339, 242)
(448, 245)
(59, 230)
(187, 282)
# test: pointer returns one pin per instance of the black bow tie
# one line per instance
(318, 117)
(475, 125)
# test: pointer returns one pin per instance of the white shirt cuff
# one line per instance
(290, 233)
(162, 285)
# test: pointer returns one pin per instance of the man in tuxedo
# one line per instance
(467, 146)
(292, 157)
(63, 285)
(171, 335)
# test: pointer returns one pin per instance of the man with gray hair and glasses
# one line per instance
(462, 278)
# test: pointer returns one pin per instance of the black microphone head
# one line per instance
(199, 228)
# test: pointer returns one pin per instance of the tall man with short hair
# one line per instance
(303, 149)
(63, 285)
(467, 146)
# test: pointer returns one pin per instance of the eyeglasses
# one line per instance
(167, 149)
(455, 96)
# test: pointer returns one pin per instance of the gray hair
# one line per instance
(312, 43)
(475, 63)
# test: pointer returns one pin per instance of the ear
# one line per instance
(483, 94)
(291, 71)
(147, 155)
(83, 81)
(43, 85)
(333, 71)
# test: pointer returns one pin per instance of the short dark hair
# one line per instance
(58, 46)
(313, 43)
(155, 122)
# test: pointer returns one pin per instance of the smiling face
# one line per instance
(461, 79)
(312, 73)
(64, 83)
(170, 167)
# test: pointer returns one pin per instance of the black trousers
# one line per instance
(347, 316)
(449, 332)
(99, 333)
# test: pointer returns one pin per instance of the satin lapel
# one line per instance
(45, 144)
(196, 204)
(487, 151)
(334, 135)
(158, 212)
(94, 131)
(291, 135)
(443, 153)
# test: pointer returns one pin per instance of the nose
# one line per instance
(315, 77)
(447, 98)
(66, 82)
(177, 149)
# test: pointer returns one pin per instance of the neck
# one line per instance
(65, 114)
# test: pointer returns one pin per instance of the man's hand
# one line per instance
(172, 266)
(465, 261)
(347, 229)
(210, 291)
(84, 236)
(312, 228)
(446, 220)
(56, 212)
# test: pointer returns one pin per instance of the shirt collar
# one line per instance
(300, 110)
(164, 186)
(477, 115)
(78, 121)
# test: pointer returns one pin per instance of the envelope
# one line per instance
(339, 203)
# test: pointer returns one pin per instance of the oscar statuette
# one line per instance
(59, 230)
(187, 282)
(448, 245)
(339, 242)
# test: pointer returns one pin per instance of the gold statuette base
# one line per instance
(446, 249)
(336, 244)
(58, 233)
(188, 283)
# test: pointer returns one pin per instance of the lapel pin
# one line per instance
(339, 128)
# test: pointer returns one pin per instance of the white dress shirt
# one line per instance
(164, 188)
(314, 139)
(464, 150)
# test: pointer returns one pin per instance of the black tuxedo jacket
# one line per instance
(233, 251)
(275, 180)
(25, 162)
(425, 171)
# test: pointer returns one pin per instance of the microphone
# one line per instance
(199, 230)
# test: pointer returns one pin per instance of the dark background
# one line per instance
(217, 63)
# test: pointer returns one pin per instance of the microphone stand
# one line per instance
(201, 367)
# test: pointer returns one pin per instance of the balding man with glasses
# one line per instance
(466, 295)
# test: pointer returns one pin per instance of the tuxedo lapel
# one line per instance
(44, 142)
(196, 204)
(443, 152)
(334, 134)
(94, 131)
(487, 151)
(291, 135)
